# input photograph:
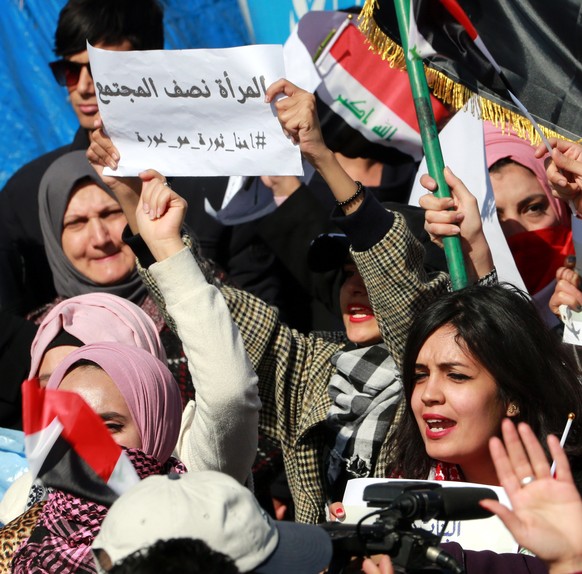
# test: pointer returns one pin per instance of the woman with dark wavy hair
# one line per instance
(474, 357)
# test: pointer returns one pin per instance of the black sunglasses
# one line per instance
(67, 73)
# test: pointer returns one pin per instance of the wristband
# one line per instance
(350, 199)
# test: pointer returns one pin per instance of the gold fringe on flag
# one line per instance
(450, 92)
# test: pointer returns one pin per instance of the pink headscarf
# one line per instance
(94, 318)
(500, 144)
(149, 389)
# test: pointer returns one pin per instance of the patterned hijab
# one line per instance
(55, 190)
(149, 389)
(95, 318)
(61, 540)
(500, 144)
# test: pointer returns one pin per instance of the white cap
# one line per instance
(217, 509)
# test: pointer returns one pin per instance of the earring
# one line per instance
(512, 410)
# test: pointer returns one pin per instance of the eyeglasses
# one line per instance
(67, 73)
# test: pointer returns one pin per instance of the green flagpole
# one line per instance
(430, 141)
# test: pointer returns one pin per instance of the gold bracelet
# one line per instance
(350, 199)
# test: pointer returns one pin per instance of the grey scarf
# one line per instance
(54, 193)
(365, 392)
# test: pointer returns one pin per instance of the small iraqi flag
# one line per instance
(370, 96)
(69, 447)
(363, 103)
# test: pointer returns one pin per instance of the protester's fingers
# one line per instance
(570, 261)
(535, 452)
(281, 86)
(98, 155)
(564, 162)
(565, 294)
(337, 511)
(428, 182)
(155, 203)
(434, 203)
(570, 286)
(441, 223)
(155, 195)
(563, 470)
(437, 230)
(383, 565)
(542, 150)
(298, 111)
(291, 121)
(503, 465)
(150, 174)
(567, 147)
(101, 150)
(148, 178)
(509, 519)
(564, 169)
(568, 273)
(100, 138)
(516, 452)
(439, 217)
(459, 192)
(161, 201)
(458, 188)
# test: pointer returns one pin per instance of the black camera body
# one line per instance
(398, 504)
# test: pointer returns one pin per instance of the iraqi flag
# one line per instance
(365, 106)
(69, 447)
(442, 27)
(486, 47)
(456, 36)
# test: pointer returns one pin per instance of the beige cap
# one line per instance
(217, 509)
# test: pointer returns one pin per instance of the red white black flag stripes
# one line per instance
(371, 97)
(457, 25)
(365, 107)
(69, 447)
(534, 43)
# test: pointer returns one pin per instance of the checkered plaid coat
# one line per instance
(294, 369)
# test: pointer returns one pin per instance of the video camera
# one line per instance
(400, 504)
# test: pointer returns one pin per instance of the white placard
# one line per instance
(194, 112)
(463, 147)
(481, 534)
(573, 319)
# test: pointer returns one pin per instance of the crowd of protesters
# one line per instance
(243, 421)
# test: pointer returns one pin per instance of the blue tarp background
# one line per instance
(12, 458)
(271, 21)
(34, 114)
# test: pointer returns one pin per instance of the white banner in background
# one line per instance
(463, 146)
(481, 534)
(194, 112)
(573, 319)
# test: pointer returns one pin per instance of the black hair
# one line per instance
(141, 22)
(85, 363)
(501, 328)
(176, 556)
(497, 166)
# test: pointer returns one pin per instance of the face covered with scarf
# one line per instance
(139, 401)
(131, 390)
(90, 318)
(535, 224)
(82, 223)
